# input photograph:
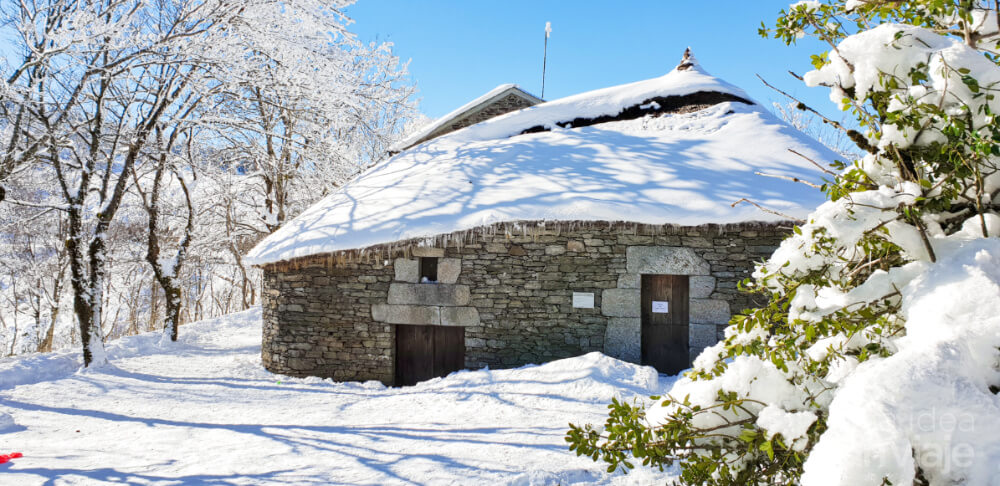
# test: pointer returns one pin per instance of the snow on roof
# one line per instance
(601, 102)
(430, 128)
(685, 169)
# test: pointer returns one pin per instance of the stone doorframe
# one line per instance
(623, 338)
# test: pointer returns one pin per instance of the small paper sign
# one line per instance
(660, 307)
(583, 300)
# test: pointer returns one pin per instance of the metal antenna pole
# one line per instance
(545, 54)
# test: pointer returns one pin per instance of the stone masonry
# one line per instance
(512, 294)
(317, 322)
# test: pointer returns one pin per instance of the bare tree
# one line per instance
(115, 104)
(166, 269)
(312, 108)
(98, 110)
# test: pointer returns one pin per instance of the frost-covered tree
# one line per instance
(308, 106)
(33, 273)
(169, 222)
(113, 105)
(118, 71)
(877, 360)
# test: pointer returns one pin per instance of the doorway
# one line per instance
(425, 352)
(664, 314)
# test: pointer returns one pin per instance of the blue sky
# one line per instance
(460, 49)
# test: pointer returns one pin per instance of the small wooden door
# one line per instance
(425, 352)
(665, 322)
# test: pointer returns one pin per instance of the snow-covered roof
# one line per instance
(680, 168)
(491, 96)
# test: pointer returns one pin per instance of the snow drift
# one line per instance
(204, 411)
(932, 398)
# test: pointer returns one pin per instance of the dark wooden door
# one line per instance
(665, 327)
(425, 352)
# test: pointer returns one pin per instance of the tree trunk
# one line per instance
(172, 319)
(98, 278)
(46, 345)
(57, 288)
(167, 277)
(82, 292)
(154, 305)
(87, 281)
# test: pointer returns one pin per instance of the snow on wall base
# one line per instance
(336, 317)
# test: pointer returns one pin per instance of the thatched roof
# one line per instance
(678, 149)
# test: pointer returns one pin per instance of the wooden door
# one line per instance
(665, 322)
(425, 352)
(449, 350)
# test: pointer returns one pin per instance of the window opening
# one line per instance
(428, 269)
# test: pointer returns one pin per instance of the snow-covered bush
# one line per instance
(877, 360)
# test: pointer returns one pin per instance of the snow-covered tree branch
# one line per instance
(883, 306)
(113, 105)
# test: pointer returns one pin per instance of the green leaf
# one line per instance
(768, 448)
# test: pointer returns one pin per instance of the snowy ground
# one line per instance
(203, 411)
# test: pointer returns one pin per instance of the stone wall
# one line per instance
(318, 322)
(512, 294)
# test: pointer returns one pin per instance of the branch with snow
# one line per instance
(882, 312)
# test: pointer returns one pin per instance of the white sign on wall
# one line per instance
(583, 300)
(660, 307)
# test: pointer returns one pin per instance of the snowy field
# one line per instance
(204, 411)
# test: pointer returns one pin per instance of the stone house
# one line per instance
(599, 222)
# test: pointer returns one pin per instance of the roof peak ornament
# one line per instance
(688, 61)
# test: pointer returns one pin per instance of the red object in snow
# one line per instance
(5, 458)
